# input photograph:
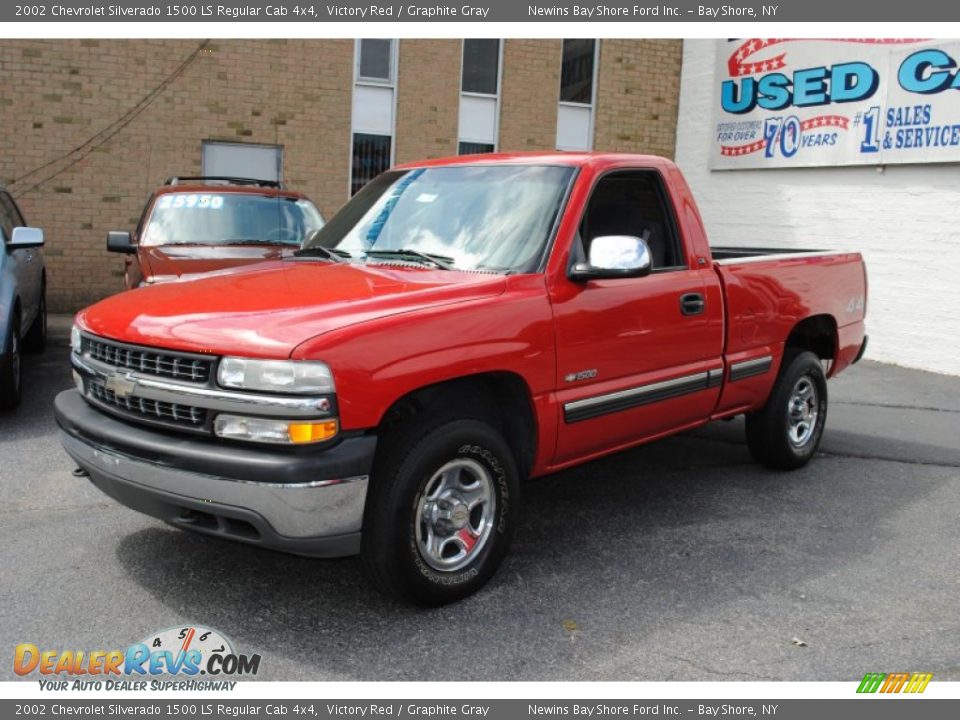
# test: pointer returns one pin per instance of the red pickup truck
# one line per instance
(195, 225)
(459, 326)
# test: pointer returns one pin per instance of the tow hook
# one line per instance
(79, 472)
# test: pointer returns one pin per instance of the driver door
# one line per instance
(636, 357)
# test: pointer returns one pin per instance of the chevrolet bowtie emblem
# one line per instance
(121, 385)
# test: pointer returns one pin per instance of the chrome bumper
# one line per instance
(318, 518)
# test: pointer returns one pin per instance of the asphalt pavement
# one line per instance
(680, 560)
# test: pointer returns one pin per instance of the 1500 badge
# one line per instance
(582, 375)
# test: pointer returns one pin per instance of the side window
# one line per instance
(8, 217)
(633, 203)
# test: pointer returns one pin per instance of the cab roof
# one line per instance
(598, 160)
(227, 189)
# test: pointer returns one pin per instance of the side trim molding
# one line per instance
(749, 368)
(640, 395)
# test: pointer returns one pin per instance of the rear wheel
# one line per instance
(440, 512)
(11, 368)
(786, 432)
(35, 340)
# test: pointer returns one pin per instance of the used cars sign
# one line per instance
(806, 103)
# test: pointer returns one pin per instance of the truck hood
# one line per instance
(268, 309)
(176, 261)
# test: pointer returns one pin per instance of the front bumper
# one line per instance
(303, 502)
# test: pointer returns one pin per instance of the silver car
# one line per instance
(23, 297)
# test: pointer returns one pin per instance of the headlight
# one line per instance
(269, 430)
(75, 340)
(290, 376)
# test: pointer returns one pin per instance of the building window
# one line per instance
(243, 160)
(375, 60)
(474, 148)
(575, 111)
(480, 96)
(373, 122)
(481, 67)
(576, 72)
(371, 156)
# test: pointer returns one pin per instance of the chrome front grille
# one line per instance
(149, 361)
(174, 390)
(155, 410)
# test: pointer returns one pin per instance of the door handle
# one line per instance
(692, 304)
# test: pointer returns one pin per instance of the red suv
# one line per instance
(196, 225)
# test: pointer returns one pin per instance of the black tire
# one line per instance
(35, 341)
(785, 434)
(396, 527)
(11, 367)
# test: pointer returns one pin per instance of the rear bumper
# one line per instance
(851, 345)
(862, 350)
(306, 503)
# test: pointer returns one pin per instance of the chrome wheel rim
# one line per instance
(454, 515)
(803, 409)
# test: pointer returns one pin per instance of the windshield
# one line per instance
(229, 218)
(485, 217)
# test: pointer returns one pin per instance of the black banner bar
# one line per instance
(866, 707)
(640, 11)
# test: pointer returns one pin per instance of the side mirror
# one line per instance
(25, 237)
(119, 241)
(614, 256)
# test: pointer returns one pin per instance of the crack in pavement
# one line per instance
(834, 454)
(894, 406)
(724, 673)
(901, 461)
(57, 508)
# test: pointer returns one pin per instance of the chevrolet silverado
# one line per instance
(459, 326)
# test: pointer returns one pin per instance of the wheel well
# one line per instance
(499, 398)
(817, 334)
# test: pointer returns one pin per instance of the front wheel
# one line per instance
(786, 432)
(440, 513)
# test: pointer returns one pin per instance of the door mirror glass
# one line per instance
(615, 256)
(26, 237)
(120, 241)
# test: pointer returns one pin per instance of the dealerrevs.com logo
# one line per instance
(186, 652)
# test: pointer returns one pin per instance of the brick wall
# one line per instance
(103, 122)
(428, 99)
(637, 96)
(530, 89)
(59, 94)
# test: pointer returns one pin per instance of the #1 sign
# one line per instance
(813, 103)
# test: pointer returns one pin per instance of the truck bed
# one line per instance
(768, 291)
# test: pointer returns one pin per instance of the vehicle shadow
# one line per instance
(607, 555)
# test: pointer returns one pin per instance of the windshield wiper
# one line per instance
(319, 250)
(440, 261)
(249, 241)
